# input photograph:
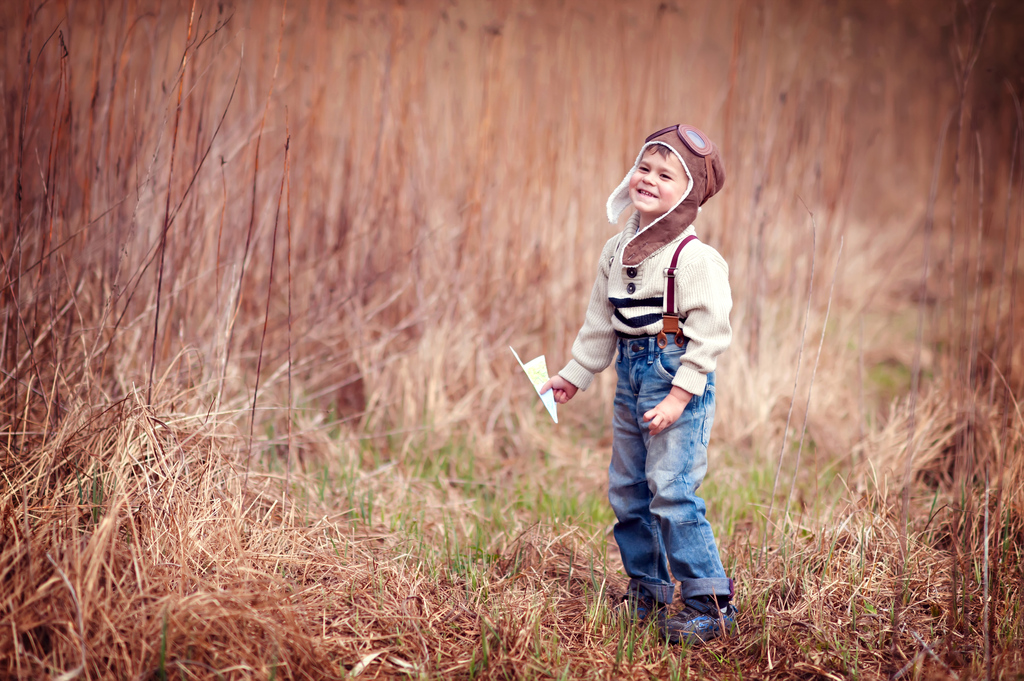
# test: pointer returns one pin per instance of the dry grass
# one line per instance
(261, 266)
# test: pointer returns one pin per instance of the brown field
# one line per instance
(261, 266)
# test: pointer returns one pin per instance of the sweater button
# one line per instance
(630, 288)
(631, 272)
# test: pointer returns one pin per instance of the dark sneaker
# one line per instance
(640, 608)
(698, 621)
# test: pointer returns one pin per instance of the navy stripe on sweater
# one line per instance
(635, 302)
(640, 321)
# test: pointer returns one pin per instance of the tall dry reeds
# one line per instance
(262, 263)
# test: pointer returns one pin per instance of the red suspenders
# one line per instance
(670, 319)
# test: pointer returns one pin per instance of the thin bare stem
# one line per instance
(288, 231)
(792, 399)
(266, 313)
(814, 371)
(252, 205)
(972, 356)
(167, 205)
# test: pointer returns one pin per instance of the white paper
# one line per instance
(537, 371)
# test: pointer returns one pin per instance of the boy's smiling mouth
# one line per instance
(644, 192)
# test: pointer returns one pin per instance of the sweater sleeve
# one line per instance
(705, 300)
(594, 347)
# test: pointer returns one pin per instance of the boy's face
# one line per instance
(657, 185)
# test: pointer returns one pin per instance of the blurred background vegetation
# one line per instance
(260, 258)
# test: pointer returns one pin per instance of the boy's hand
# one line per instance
(564, 390)
(668, 410)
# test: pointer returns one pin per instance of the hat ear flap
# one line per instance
(619, 199)
(714, 178)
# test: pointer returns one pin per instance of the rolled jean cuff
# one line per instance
(656, 590)
(709, 586)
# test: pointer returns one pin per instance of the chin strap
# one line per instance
(669, 318)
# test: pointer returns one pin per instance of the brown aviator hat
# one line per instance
(703, 167)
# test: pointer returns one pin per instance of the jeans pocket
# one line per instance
(667, 363)
(709, 414)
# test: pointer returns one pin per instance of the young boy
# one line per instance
(662, 299)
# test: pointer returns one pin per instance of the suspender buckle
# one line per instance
(670, 324)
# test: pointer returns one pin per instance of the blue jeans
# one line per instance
(662, 531)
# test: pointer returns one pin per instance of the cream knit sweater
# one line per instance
(629, 301)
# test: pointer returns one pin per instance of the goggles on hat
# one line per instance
(694, 139)
(697, 142)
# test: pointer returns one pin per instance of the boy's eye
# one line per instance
(666, 177)
(642, 168)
